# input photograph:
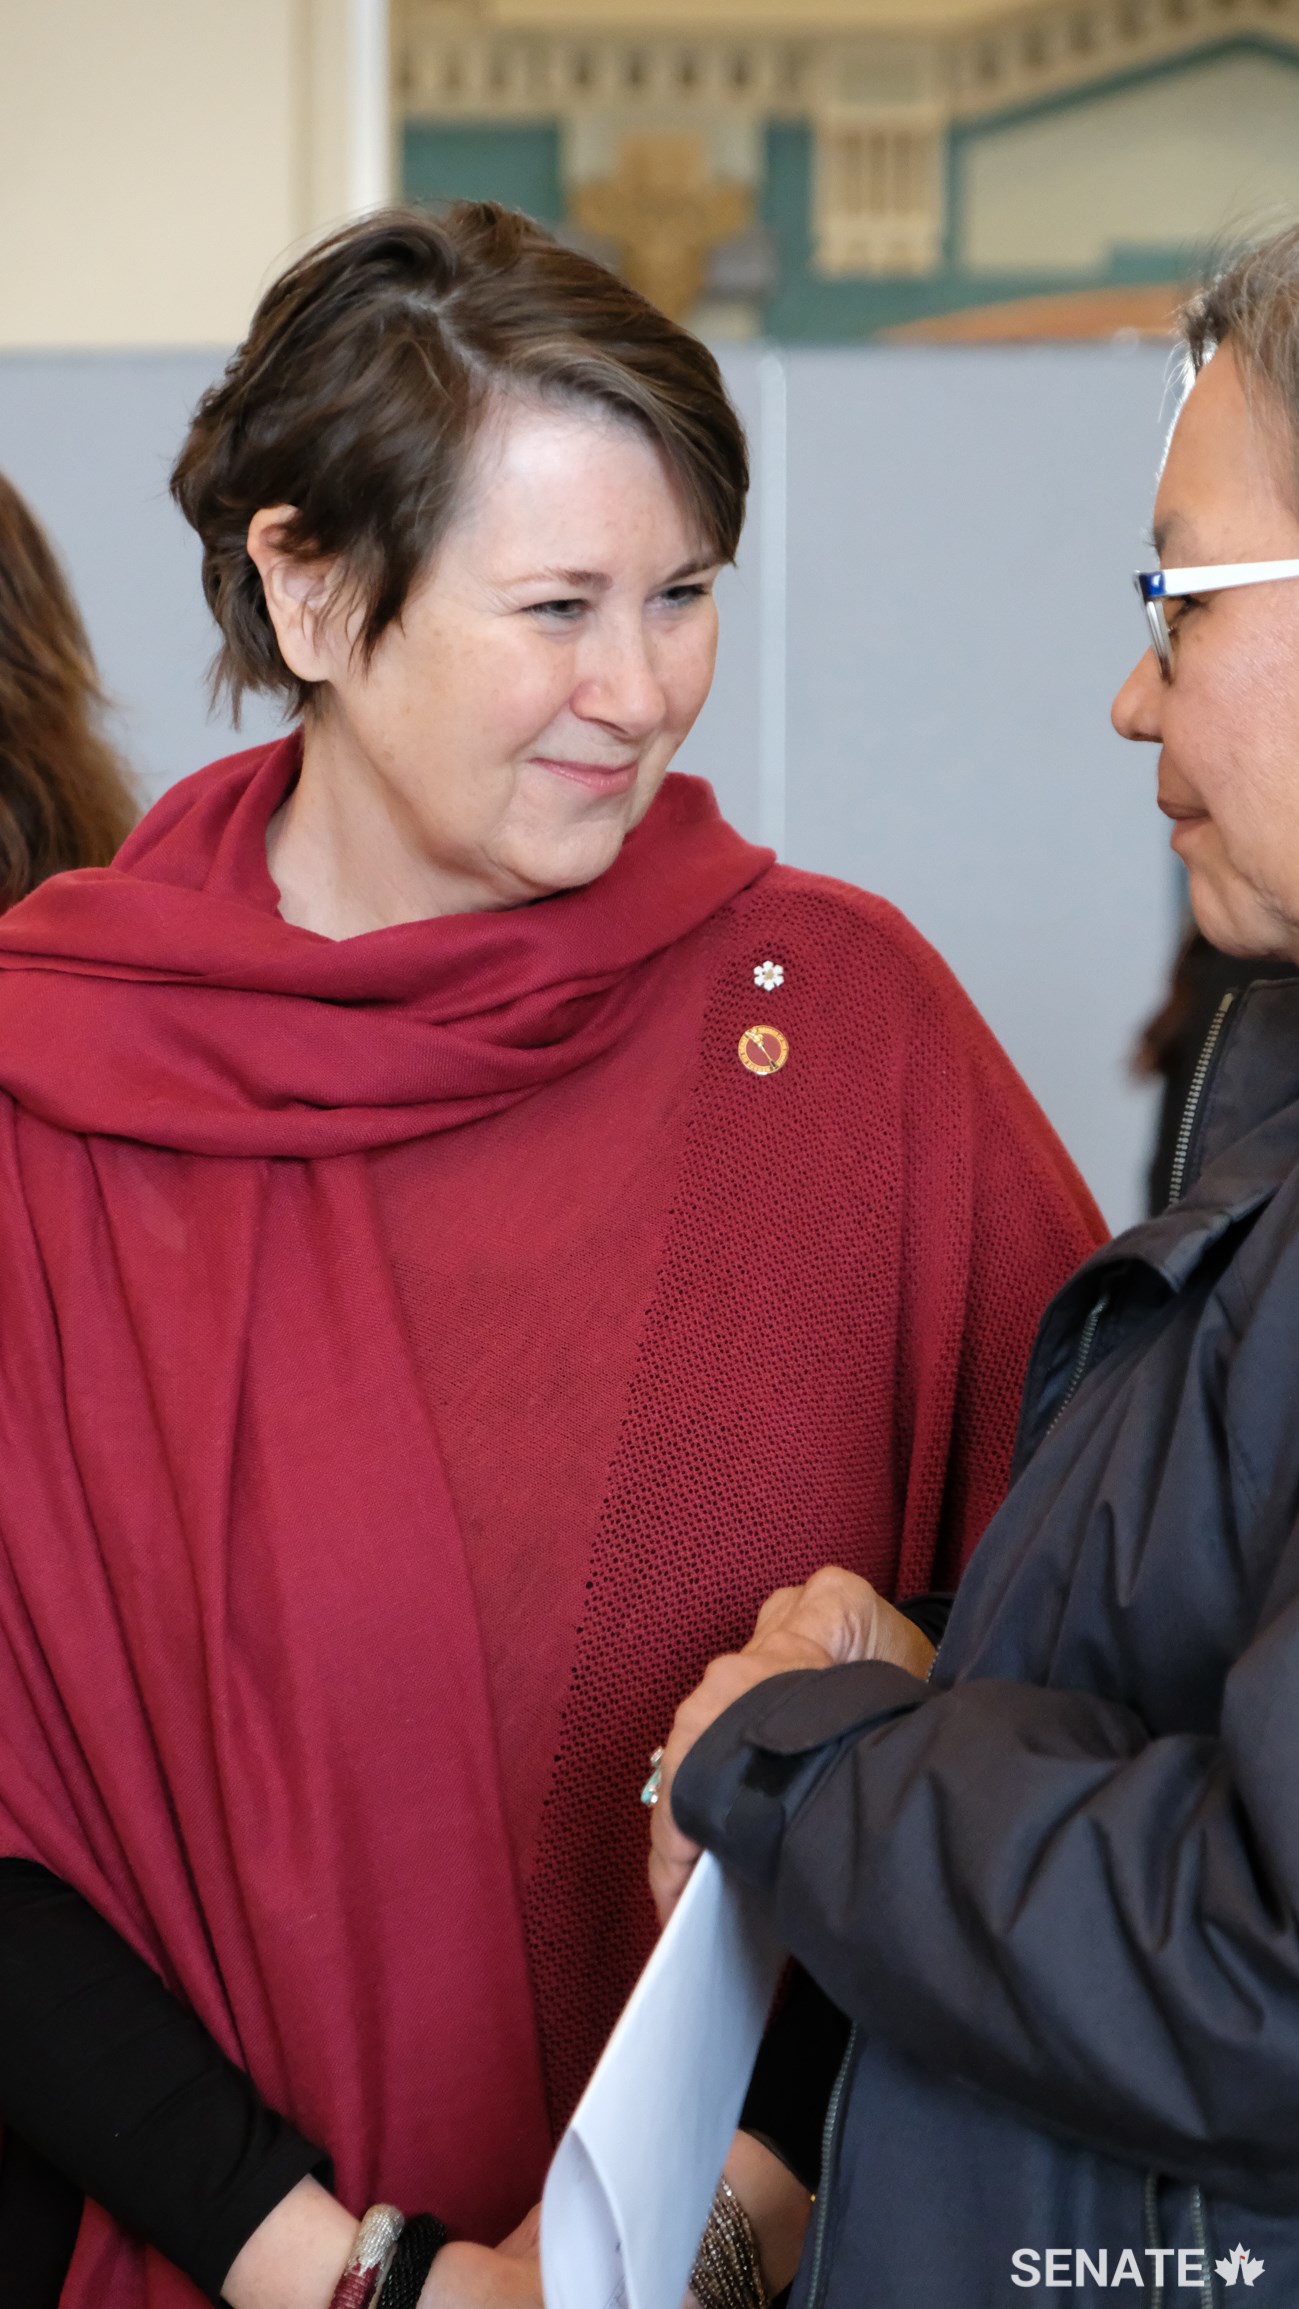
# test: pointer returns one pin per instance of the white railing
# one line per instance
(442, 74)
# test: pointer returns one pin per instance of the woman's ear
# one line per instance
(298, 597)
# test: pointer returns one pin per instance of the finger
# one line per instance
(672, 1862)
(777, 1607)
(672, 1853)
(526, 2238)
(837, 1612)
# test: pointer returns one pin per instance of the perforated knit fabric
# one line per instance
(858, 1251)
(524, 1252)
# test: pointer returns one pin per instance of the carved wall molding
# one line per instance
(880, 103)
(1051, 50)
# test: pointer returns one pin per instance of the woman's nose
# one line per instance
(1138, 710)
(621, 685)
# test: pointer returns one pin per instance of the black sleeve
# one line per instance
(107, 2079)
(798, 2060)
(930, 1613)
(802, 2051)
(40, 2214)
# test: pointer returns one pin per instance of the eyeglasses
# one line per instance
(1156, 586)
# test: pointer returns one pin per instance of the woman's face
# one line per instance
(518, 721)
(1228, 723)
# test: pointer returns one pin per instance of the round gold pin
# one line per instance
(763, 1049)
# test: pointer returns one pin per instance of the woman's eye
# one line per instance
(566, 611)
(680, 595)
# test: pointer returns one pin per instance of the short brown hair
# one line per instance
(65, 798)
(364, 378)
(1254, 304)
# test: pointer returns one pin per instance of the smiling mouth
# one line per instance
(600, 777)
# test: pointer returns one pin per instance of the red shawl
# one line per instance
(244, 1704)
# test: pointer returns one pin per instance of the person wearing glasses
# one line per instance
(1055, 1886)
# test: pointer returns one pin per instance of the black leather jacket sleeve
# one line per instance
(1020, 1888)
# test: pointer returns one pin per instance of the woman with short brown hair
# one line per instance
(472, 1223)
(65, 799)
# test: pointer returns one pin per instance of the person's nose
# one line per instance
(620, 683)
(1138, 710)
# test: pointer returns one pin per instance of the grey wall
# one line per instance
(961, 528)
(931, 612)
(89, 439)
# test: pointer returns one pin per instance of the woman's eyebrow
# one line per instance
(599, 580)
(693, 568)
(577, 579)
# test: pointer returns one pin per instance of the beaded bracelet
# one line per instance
(728, 2272)
(370, 2260)
(418, 2247)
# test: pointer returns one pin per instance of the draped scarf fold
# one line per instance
(242, 1695)
(244, 1035)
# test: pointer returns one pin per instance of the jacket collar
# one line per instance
(1244, 1137)
(1244, 1143)
(1244, 1134)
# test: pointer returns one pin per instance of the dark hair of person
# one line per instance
(65, 797)
(369, 368)
(1253, 303)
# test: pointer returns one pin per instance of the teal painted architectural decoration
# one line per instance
(1128, 178)
(806, 308)
(485, 160)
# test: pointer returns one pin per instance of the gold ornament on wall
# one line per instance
(664, 213)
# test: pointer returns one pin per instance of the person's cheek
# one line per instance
(690, 678)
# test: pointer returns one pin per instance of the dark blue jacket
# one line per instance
(1057, 1889)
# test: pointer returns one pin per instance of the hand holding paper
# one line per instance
(633, 2178)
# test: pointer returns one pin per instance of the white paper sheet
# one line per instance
(628, 2192)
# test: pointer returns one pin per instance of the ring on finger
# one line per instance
(653, 1786)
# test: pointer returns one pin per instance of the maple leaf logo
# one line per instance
(1238, 2264)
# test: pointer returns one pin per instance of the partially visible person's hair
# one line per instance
(1253, 305)
(65, 797)
(367, 371)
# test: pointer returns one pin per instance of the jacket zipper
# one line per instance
(827, 2154)
(1201, 2228)
(1196, 1092)
(1154, 2237)
(1176, 1182)
(1085, 1345)
(1081, 1359)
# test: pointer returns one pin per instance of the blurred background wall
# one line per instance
(937, 245)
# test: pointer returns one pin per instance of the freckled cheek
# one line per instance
(509, 698)
(690, 678)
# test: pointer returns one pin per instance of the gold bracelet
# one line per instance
(728, 2269)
